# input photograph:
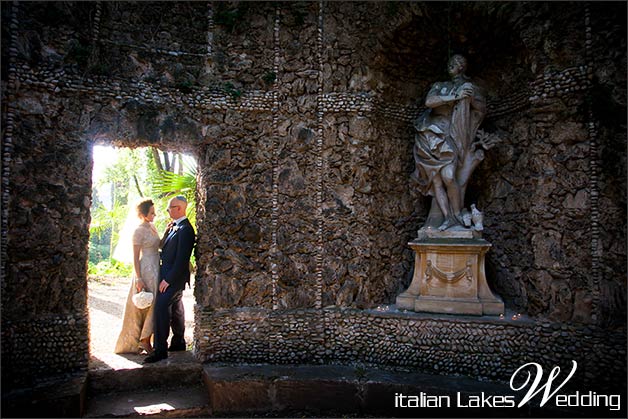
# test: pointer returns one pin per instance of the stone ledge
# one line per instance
(392, 312)
(304, 390)
(266, 388)
(482, 347)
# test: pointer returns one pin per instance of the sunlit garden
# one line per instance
(121, 176)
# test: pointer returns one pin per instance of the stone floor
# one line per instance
(107, 298)
(120, 385)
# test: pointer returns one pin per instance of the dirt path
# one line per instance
(107, 297)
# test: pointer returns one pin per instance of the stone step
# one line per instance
(56, 397)
(110, 373)
(121, 386)
(188, 401)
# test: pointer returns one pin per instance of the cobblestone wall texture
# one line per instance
(300, 115)
(490, 349)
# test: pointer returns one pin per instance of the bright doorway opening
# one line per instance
(120, 177)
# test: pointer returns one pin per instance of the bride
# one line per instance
(137, 326)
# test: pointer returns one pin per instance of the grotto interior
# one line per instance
(300, 115)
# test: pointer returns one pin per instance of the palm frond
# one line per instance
(168, 183)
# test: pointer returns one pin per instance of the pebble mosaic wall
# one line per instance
(36, 349)
(483, 348)
(66, 81)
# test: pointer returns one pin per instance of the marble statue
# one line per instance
(449, 252)
(446, 150)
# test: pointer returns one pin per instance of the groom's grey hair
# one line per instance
(181, 198)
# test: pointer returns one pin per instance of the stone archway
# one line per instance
(131, 124)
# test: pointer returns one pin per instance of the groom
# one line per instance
(176, 248)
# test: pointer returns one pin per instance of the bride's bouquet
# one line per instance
(142, 299)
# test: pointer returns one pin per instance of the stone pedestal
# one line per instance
(449, 278)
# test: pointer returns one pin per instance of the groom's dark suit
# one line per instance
(175, 270)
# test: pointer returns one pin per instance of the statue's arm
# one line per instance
(434, 99)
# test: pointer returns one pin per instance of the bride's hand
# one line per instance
(139, 285)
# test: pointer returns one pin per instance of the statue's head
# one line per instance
(457, 65)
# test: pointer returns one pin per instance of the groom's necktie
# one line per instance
(169, 235)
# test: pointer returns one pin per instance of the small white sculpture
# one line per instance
(466, 217)
(477, 217)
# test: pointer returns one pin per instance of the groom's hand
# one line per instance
(163, 286)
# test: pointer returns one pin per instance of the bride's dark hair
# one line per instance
(143, 207)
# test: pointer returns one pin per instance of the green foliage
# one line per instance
(98, 251)
(184, 86)
(229, 16)
(100, 69)
(231, 90)
(299, 11)
(269, 77)
(109, 267)
(134, 174)
(167, 185)
(108, 221)
(120, 175)
(150, 168)
(78, 53)
(392, 8)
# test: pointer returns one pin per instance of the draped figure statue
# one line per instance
(449, 252)
(445, 150)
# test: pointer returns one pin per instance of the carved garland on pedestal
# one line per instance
(448, 277)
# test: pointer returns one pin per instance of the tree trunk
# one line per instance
(157, 159)
(137, 185)
(167, 162)
(113, 227)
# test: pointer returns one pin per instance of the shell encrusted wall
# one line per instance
(300, 115)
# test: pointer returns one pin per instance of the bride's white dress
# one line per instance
(138, 324)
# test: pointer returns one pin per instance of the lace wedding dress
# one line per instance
(138, 324)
